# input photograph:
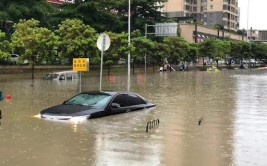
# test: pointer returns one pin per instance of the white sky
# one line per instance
(257, 13)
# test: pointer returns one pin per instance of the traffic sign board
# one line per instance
(103, 42)
(80, 64)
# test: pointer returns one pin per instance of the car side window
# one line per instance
(135, 100)
(68, 76)
(128, 100)
(121, 99)
(61, 77)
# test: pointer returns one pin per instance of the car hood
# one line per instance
(70, 110)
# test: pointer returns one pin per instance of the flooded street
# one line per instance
(231, 104)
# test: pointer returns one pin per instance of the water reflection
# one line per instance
(250, 120)
(231, 103)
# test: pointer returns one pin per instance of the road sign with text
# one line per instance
(80, 64)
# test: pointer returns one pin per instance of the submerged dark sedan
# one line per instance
(96, 104)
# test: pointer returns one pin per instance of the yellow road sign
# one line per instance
(80, 64)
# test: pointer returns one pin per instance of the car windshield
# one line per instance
(97, 100)
(50, 76)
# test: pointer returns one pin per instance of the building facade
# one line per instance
(193, 35)
(60, 1)
(257, 35)
(208, 12)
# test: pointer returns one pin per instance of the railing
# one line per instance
(152, 124)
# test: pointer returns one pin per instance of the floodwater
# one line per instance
(231, 104)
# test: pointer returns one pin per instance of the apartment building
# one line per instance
(60, 1)
(208, 12)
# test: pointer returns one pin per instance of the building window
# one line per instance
(211, 6)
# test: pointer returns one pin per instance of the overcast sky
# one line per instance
(257, 13)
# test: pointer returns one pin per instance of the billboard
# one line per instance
(166, 29)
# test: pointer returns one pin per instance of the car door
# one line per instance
(135, 102)
(119, 104)
(126, 103)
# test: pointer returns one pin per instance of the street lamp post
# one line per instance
(129, 43)
(250, 31)
(248, 21)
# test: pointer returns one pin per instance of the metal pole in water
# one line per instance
(147, 126)
(101, 67)
(80, 83)
(129, 44)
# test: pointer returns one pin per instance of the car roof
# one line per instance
(62, 72)
(112, 93)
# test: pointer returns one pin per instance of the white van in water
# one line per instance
(63, 75)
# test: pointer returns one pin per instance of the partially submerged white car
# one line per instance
(63, 75)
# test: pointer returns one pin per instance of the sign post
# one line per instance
(80, 64)
(103, 43)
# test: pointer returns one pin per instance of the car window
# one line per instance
(122, 100)
(68, 76)
(97, 100)
(135, 100)
(50, 76)
(128, 100)
(14, 56)
(62, 77)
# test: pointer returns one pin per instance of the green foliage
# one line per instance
(142, 12)
(177, 49)
(259, 50)
(142, 46)
(5, 47)
(119, 46)
(76, 39)
(98, 14)
(214, 48)
(36, 44)
(11, 11)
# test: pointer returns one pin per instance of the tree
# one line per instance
(99, 14)
(142, 12)
(240, 50)
(36, 43)
(259, 50)
(11, 11)
(5, 47)
(175, 48)
(214, 48)
(222, 49)
(76, 39)
(142, 47)
(118, 48)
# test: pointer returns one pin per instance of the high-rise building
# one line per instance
(208, 12)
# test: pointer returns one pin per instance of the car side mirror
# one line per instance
(115, 105)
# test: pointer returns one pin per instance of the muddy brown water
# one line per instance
(231, 104)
